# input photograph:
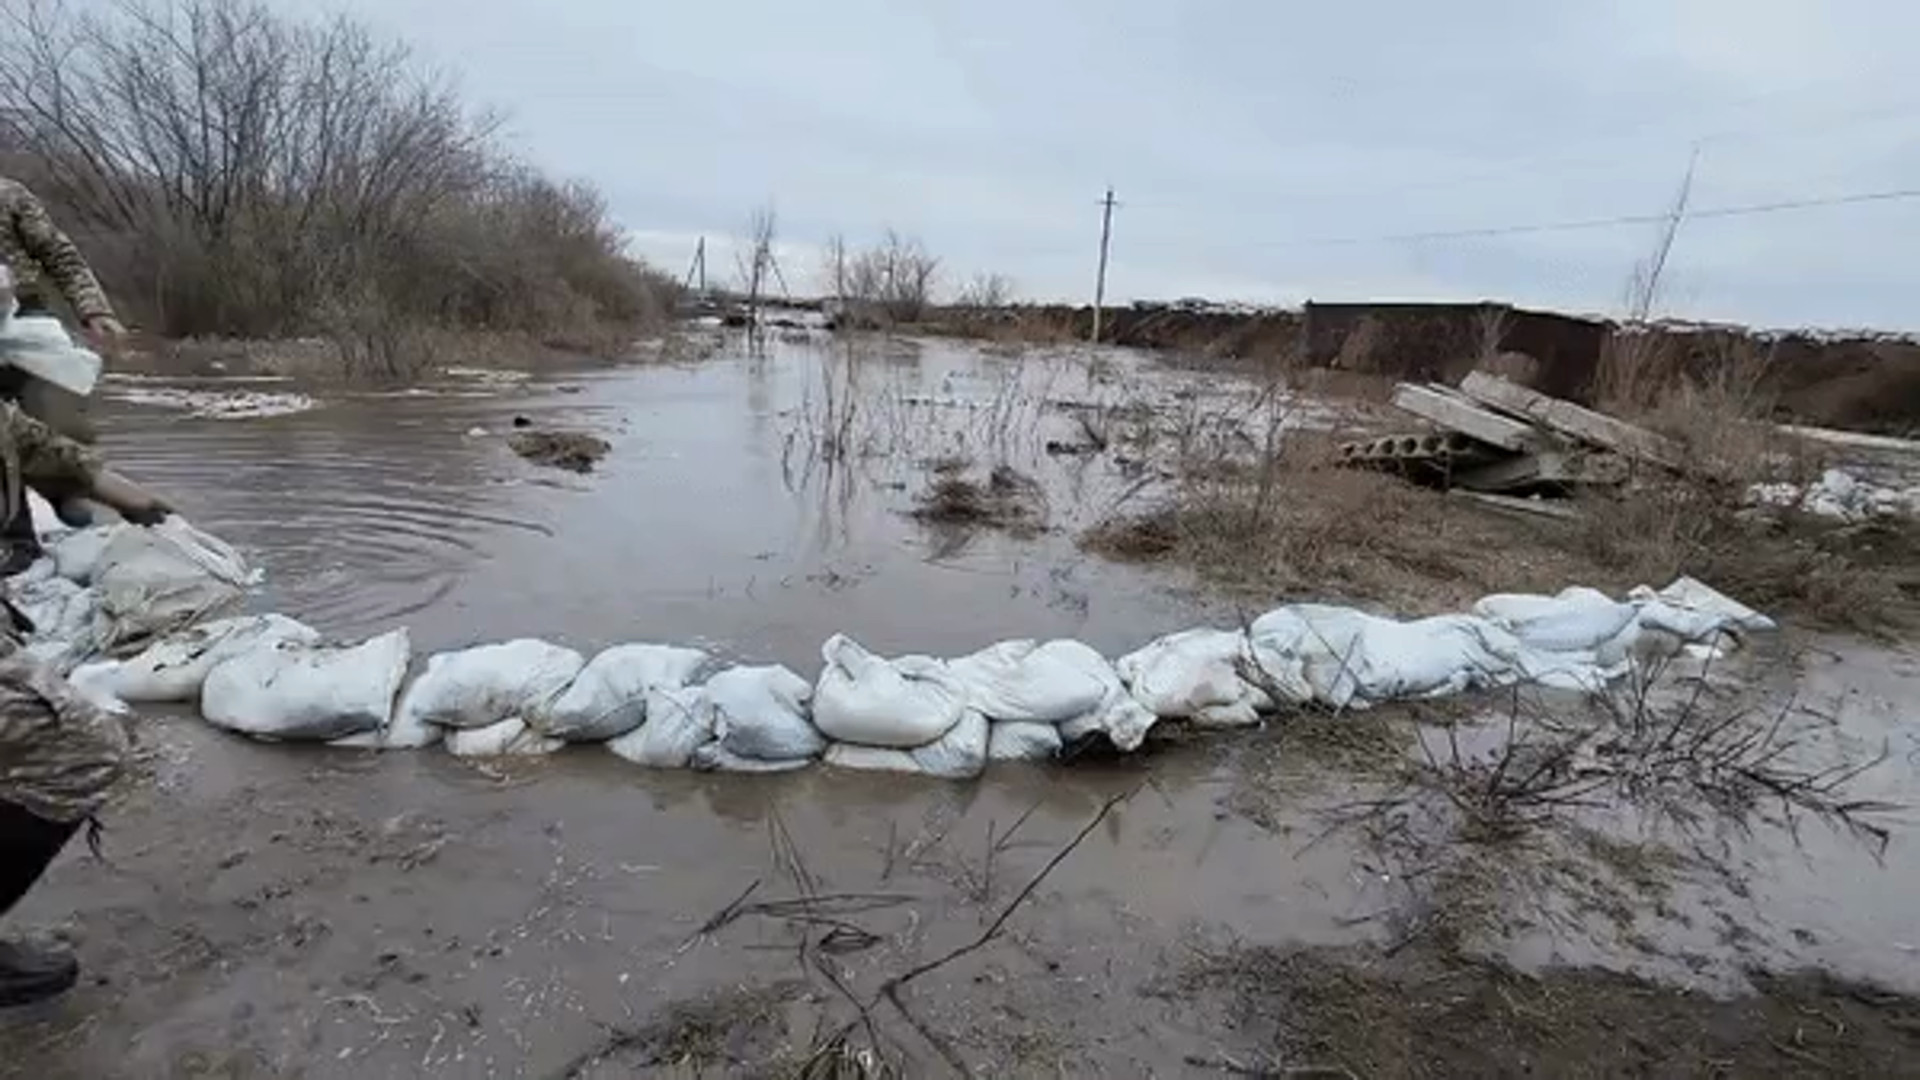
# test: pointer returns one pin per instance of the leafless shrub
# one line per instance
(241, 172)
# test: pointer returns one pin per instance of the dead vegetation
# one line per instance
(573, 451)
(1007, 499)
(1368, 1012)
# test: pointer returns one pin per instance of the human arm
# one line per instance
(60, 259)
(48, 458)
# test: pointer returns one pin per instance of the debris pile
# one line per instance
(663, 706)
(1499, 438)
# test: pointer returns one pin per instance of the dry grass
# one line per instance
(1008, 499)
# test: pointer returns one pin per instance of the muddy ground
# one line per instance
(1217, 906)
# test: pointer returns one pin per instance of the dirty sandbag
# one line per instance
(299, 690)
(404, 732)
(1122, 721)
(172, 669)
(865, 699)
(1020, 740)
(62, 614)
(1696, 611)
(960, 754)
(715, 757)
(761, 712)
(1350, 659)
(1196, 675)
(486, 684)
(1576, 619)
(508, 738)
(609, 696)
(76, 555)
(156, 580)
(1022, 680)
(678, 723)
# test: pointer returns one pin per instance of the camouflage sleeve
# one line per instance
(46, 456)
(58, 255)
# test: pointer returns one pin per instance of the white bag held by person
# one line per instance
(483, 685)
(298, 690)
(868, 700)
(678, 723)
(761, 713)
(174, 668)
(609, 696)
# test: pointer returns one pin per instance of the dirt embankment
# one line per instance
(1860, 381)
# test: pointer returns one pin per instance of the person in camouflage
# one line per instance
(60, 756)
(39, 254)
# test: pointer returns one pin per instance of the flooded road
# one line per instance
(276, 911)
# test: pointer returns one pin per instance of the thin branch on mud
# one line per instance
(993, 929)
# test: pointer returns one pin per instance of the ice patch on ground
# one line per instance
(215, 404)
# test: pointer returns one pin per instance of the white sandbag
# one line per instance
(1687, 594)
(1350, 659)
(1195, 675)
(174, 668)
(761, 712)
(486, 684)
(46, 521)
(297, 690)
(715, 757)
(865, 699)
(76, 555)
(94, 683)
(404, 732)
(62, 614)
(1022, 680)
(156, 580)
(1123, 721)
(678, 723)
(960, 754)
(1019, 740)
(508, 738)
(608, 697)
(1574, 620)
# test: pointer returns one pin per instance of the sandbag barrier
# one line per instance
(136, 616)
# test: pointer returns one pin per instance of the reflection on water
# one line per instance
(753, 503)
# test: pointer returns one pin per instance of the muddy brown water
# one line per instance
(290, 911)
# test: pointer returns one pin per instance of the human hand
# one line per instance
(104, 331)
(153, 513)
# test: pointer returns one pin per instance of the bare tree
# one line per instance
(896, 277)
(247, 172)
(986, 291)
(754, 262)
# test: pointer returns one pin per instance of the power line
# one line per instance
(1601, 223)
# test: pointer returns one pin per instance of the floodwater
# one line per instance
(283, 911)
(719, 518)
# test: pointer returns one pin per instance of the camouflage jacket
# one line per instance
(32, 245)
(34, 454)
(60, 755)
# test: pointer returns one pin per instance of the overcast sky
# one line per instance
(1262, 150)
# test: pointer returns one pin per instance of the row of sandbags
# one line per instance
(667, 706)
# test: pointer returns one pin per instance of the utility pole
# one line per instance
(699, 267)
(1100, 282)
